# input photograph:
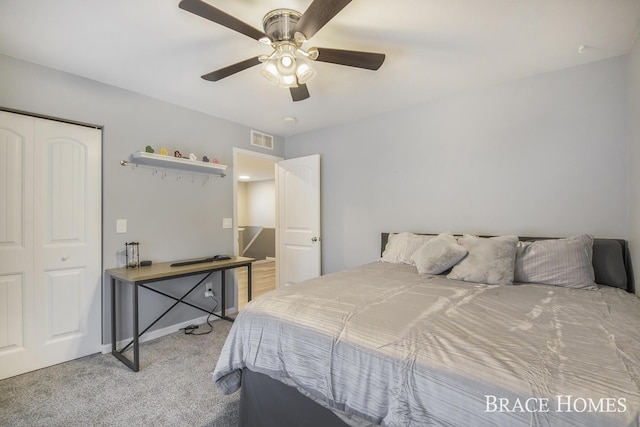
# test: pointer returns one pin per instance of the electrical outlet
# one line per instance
(208, 290)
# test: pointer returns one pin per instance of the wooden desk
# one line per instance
(142, 276)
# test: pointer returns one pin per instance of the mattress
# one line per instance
(384, 344)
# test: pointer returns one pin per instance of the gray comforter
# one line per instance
(396, 348)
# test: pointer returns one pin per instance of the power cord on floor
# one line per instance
(190, 330)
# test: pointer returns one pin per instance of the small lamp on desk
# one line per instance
(132, 254)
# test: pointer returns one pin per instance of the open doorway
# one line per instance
(255, 220)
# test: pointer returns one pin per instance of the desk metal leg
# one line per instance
(249, 281)
(135, 365)
(222, 286)
(136, 336)
(113, 315)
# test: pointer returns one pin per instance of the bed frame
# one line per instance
(270, 403)
(266, 402)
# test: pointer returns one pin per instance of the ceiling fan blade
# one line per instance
(351, 58)
(205, 10)
(214, 76)
(317, 15)
(299, 93)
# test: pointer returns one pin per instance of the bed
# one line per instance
(384, 344)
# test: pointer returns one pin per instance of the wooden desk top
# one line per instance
(164, 270)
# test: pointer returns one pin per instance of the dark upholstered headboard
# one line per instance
(611, 260)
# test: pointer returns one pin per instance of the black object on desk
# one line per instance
(141, 277)
(201, 261)
(196, 261)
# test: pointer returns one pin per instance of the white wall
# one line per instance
(634, 158)
(257, 203)
(543, 156)
(171, 218)
(261, 203)
(243, 203)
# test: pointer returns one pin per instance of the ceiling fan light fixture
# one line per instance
(270, 72)
(286, 64)
(304, 71)
(286, 59)
(288, 81)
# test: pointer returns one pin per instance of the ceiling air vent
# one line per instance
(260, 139)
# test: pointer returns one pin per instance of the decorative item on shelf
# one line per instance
(177, 154)
(205, 159)
(215, 160)
(132, 254)
(164, 152)
(149, 149)
(193, 157)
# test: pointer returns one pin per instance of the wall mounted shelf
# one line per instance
(186, 164)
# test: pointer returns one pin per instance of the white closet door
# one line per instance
(16, 244)
(61, 292)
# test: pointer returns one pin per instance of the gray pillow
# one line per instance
(608, 263)
(490, 260)
(561, 262)
(400, 247)
(438, 254)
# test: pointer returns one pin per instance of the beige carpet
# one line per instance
(173, 388)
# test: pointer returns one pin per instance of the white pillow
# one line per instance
(490, 260)
(561, 262)
(401, 246)
(438, 254)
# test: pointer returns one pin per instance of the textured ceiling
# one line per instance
(434, 48)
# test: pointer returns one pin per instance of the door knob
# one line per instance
(314, 239)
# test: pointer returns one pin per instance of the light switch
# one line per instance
(227, 222)
(121, 226)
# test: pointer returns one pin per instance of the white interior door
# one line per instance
(52, 297)
(298, 215)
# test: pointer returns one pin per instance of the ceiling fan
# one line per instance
(286, 30)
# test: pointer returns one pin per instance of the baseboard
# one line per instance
(106, 348)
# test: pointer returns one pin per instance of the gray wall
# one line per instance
(171, 218)
(264, 246)
(543, 156)
(546, 155)
(634, 158)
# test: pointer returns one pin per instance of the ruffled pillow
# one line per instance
(438, 254)
(490, 260)
(401, 246)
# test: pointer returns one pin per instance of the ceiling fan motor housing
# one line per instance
(280, 23)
